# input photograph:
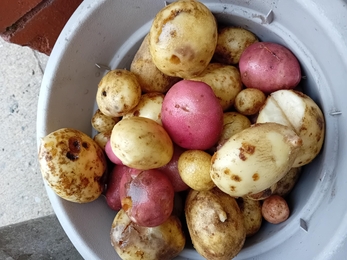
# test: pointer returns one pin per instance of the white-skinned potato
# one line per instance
(302, 114)
(103, 123)
(141, 143)
(182, 38)
(151, 79)
(225, 81)
(72, 164)
(149, 106)
(249, 101)
(232, 41)
(194, 169)
(215, 224)
(118, 92)
(255, 158)
(233, 122)
(252, 216)
(102, 138)
(132, 242)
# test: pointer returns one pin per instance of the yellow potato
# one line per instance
(225, 81)
(102, 138)
(252, 216)
(72, 164)
(194, 169)
(182, 38)
(132, 242)
(151, 79)
(103, 123)
(249, 101)
(215, 224)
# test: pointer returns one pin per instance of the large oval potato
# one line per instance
(182, 38)
(225, 81)
(132, 242)
(215, 224)
(255, 158)
(72, 164)
(141, 143)
(298, 111)
(151, 79)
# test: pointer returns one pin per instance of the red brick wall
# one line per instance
(35, 23)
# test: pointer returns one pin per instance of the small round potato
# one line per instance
(182, 38)
(249, 101)
(232, 41)
(225, 81)
(275, 209)
(151, 79)
(133, 242)
(215, 224)
(252, 216)
(102, 138)
(103, 123)
(141, 143)
(149, 106)
(233, 122)
(194, 169)
(72, 165)
(118, 92)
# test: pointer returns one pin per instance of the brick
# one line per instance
(40, 28)
(12, 10)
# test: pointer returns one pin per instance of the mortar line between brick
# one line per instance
(20, 23)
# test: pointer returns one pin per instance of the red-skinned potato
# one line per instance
(269, 67)
(192, 115)
(147, 197)
(275, 209)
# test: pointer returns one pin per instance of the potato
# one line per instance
(118, 93)
(215, 224)
(225, 81)
(72, 164)
(182, 38)
(151, 79)
(233, 122)
(264, 194)
(102, 138)
(141, 143)
(103, 123)
(232, 41)
(133, 242)
(287, 183)
(149, 107)
(192, 115)
(255, 158)
(252, 216)
(303, 115)
(113, 187)
(269, 67)
(275, 209)
(249, 101)
(194, 169)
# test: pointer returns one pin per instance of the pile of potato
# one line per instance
(205, 127)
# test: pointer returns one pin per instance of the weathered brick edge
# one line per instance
(39, 24)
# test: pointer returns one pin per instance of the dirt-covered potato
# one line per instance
(275, 209)
(232, 41)
(132, 242)
(102, 138)
(215, 224)
(233, 122)
(103, 123)
(225, 81)
(287, 183)
(151, 79)
(118, 92)
(252, 216)
(194, 169)
(262, 195)
(141, 143)
(249, 101)
(298, 111)
(72, 164)
(182, 38)
(149, 106)
(255, 158)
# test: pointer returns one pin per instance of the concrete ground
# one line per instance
(28, 226)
